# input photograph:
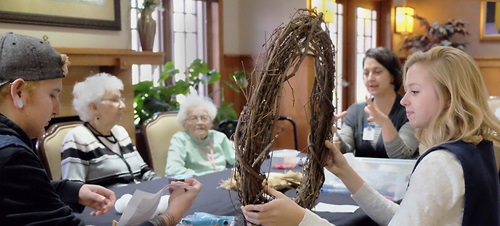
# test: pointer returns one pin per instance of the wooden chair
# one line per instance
(49, 147)
(157, 132)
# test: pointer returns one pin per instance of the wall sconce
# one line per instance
(404, 19)
(325, 6)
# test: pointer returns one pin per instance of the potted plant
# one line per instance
(436, 35)
(149, 99)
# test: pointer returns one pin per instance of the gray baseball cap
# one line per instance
(28, 58)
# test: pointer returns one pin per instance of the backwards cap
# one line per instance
(28, 58)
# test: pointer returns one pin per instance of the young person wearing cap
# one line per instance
(31, 73)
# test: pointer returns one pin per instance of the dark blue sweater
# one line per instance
(482, 198)
(27, 196)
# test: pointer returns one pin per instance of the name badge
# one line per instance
(369, 131)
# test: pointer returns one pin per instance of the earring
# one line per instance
(19, 103)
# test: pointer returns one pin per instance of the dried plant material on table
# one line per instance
(278, 181)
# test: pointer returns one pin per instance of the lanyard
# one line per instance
(210, 156)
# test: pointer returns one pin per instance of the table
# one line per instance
(219, 201)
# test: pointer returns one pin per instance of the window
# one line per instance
(144, 72)
(181, 34)
(362, 25)
(335, 29)
(366, 23)
(189, 35)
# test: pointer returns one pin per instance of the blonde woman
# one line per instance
(455, 182)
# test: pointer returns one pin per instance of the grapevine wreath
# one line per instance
(305, 35)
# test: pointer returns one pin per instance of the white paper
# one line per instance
(325, 207)
(144, 206)
(140, 208)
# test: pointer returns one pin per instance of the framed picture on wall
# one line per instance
(490, 20)
(89, 14)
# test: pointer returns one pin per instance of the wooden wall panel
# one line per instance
(490, 70)
(294, 100)
(231, 64)
(294, 103)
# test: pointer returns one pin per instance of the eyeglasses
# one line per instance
(115, 100)
(202, 118)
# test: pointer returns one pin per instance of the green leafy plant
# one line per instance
(436, 35)
(150, 4)
(226, 110)
(149, 99)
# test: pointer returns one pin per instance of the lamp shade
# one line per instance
(325, 6)
(404, 19)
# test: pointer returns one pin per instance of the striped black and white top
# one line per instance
(109, 161)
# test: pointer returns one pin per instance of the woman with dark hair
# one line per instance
(379, 127)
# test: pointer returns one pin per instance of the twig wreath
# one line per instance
(303, 36)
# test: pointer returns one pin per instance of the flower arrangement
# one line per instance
(436, 35)
(150, 4)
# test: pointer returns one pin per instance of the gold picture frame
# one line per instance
(489, 28)
(89, 14)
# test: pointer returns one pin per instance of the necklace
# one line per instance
(111, 138)
(211, 157)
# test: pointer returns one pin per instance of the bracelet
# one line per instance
(171, 221)
(158, 221)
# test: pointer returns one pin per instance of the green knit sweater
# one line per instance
(192, 157)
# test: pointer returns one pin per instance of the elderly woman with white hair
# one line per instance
(198, 150)
(99, 151)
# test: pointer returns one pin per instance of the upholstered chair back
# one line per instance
(157, 132)
(49, 147)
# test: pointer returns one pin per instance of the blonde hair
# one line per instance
(65, 63)
(28, 85)
(459, 86)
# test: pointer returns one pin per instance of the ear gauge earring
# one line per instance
(19, 103)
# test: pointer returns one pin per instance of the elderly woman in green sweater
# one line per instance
(198, 150)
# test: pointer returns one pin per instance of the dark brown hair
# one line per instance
(390, 61)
